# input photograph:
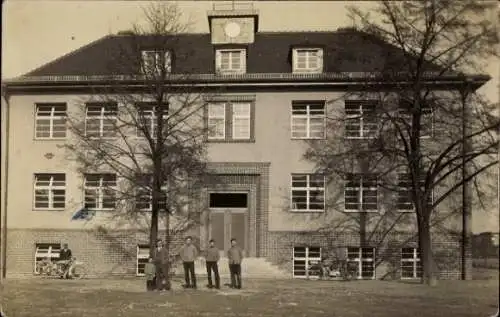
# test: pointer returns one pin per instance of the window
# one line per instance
(411, 266)
(365, 260)
(100, 120)
(100, 191)
(231, 61)
(50, 121)
(361, 119)
(308, 60)
(144, 197)
(239, 127)
(426, 118)
(361, 192)
(241, 121)
(404, 189)
(304, 258)
(308, 192)
(146, 119)
(142, 259)
(308, 120)
(46, 252)
(50, 191)
(156, 62)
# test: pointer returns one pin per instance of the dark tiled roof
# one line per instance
(344, 51)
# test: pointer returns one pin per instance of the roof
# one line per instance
(343, 51)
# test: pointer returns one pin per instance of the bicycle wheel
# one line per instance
(78, 271)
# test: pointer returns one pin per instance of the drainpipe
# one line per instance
(5, 173)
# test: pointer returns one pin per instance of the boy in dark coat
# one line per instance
(161, 267)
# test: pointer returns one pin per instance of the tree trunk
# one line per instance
(425, 243)
(153, 232)
(167, 247)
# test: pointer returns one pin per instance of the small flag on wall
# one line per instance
(83, 214)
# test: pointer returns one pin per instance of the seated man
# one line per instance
(65, 257)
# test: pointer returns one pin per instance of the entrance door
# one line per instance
(228, 219)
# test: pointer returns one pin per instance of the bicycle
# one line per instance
(344, 269)
(71, 269)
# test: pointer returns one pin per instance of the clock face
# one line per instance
(232, 29)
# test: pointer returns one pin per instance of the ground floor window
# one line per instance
(411, 266)
(365, 259)
(46, 252)
(303, 259)
(142, 259)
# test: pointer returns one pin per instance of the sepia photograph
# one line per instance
(250, 158)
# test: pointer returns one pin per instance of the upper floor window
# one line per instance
(50, 191)
(308, 60)
(156, 62)
(361, 192)
(308, 192)
(101, 120)
(230, 121)
(50, 122)
(147, 118)
(308, 119)
(426, 117)
(404, 192)
(361, 120)
(100, 191)
(231, 61)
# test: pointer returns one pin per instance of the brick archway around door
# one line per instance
(252, 178)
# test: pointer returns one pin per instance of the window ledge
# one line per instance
(308, 138)
(360, 211)
(231, 141)
(307, 211)
(50, 139)
(49, 209)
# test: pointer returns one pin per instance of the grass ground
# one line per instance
(291, 298)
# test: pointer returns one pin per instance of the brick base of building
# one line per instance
(115, 253)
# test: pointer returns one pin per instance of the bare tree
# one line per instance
(146, 127)
(427, 134)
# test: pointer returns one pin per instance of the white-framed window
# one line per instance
(100, 191)
(241, 120)
(50, 191)
(426, 117)
(147, 120)
(50, 120)
(411, 265)
(308, 120)
(365, 260)
(156, 62)
(404, 188)
(144, 196)
(46, 252)
(216, 121)
(232, 61)
(361, 193)
(361, 120)
(308, 60)
(308, 192)
(101, 120)
(141, 259)
(304, 259)
(237, 127)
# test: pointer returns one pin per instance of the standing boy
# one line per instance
(212, 257)
(149, 272)
(235, 256)
(188, 255)
(161, 266)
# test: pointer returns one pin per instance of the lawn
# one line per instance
(120, 298)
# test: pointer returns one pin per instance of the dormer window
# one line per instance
(308, 60)
(156, 62)
(231, 61)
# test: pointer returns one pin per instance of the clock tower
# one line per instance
(234, 23)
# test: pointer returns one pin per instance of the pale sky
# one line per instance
(36, 32)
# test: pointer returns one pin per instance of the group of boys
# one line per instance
(156, 269)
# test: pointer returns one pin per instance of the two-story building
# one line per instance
(273, 92)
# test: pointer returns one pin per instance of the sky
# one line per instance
(37, 31)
